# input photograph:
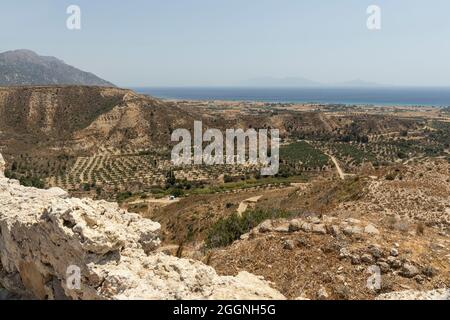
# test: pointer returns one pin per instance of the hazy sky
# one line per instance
(225, 42)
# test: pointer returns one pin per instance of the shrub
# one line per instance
(229, 229)
(32, 182)
(122, 196)
(177, 193)
(227, 179)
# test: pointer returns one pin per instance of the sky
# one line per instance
(227, 42)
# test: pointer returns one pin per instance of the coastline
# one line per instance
(358, 96)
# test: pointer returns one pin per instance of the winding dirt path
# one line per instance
(338, 167)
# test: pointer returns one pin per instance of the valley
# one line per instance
(358, 186)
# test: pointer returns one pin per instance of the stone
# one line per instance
(319, 229)
(328, 220)
(429, 271)
(289, 245)
(371, 229)
(314, 220)
(303, 243)
(375, 251)
(266, 226)
(353, 221)
(409, 270)
(352, 230)
(333, 230)
(419, 279)
(45, 233)
(367, 258)
(383, 266)
(282, 229)
(245, 236)
(356, 259)
(322, 294)
(394, 252)
(295, 225)
(344, 253)
(306, 227)
(394, 262)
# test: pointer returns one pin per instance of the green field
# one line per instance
(303, 153)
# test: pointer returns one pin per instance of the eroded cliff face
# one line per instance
(44, 234)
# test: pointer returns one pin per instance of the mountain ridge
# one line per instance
(25, 67)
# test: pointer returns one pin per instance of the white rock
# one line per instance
(352, 230)
(353, 221)
(319, 229)
(371, 229)
(295, 225)
(409, 271)
(266, 226)
(43, 232)
(284, 228)
(322, 294)
(306, 227)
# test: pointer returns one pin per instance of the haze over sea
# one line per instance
(362, 96)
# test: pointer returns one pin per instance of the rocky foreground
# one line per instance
(44, 234)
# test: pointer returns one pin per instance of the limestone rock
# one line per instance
(352, 230)
(266, 226)
(409, 271)
(394, 252)
(45, 236)
(322, 294)
(375, 251)
(289, 245)
(394, 262)
(319, 229)
(295, 225)
(367, 258)
(371, 229)
(283, 228)
(306, 227)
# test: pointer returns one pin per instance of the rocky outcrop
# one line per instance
(420, 193)
(46, 237)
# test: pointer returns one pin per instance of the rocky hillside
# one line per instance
(399, 224)
(74, 119)
(25, 67)
(44, 232)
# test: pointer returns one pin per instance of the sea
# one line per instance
(382, 96)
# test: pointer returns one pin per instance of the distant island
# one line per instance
(304, 82)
